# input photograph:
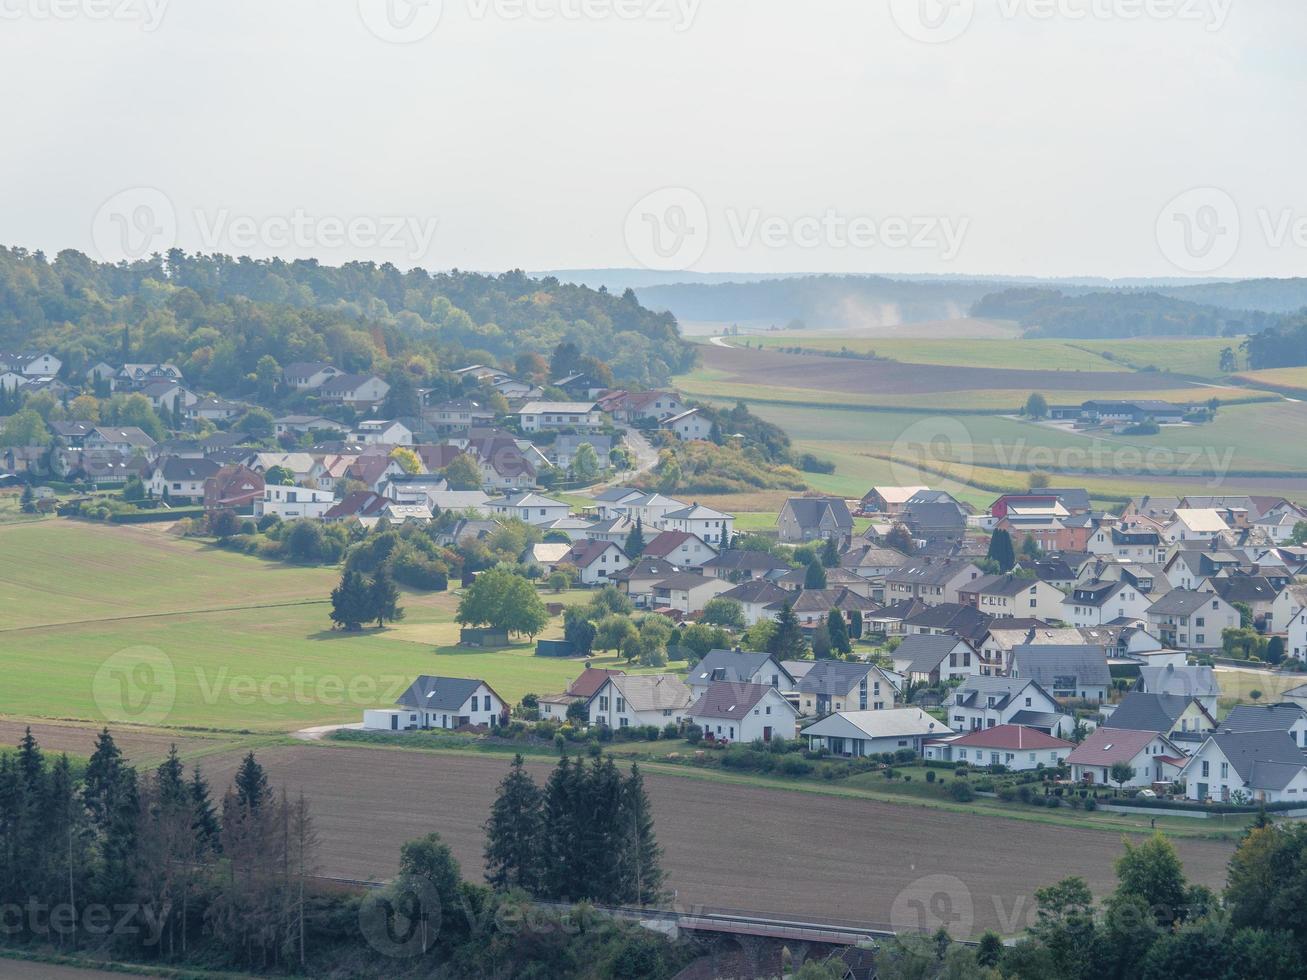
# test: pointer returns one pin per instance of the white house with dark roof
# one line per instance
(934, 659)
(597, 561)
(1261, 766)
(711, 525)
(836, 685)
(1285, 716)
(933, 581)
(180, 479)
(732, 711)
(1190, 620)
(740, 667)
(360, 391)
(307, 375)
(640, 700)
(814, 519)
(1012, 596)
(987, 702)
(440, 702)
(1097, 602)
(688, 426)
(687, 592)
(760, 598)
(541, 416)
(529, 508)
(1074, 671)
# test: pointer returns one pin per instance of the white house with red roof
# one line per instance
(1153, 757)
(1014, 746)
(680, 548)
(731, 711)
(597, 561)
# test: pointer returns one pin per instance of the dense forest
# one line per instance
(215, 316)
(1268, 295)
(1053, 313)
(1284, 345)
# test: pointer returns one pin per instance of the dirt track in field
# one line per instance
(774, 851)
(771, 368)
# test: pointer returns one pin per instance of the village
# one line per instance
(1042, 635)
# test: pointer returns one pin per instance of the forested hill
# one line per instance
(1117, 313)
(215, 316)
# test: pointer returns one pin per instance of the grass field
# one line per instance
(1292, 380)
(246, 642)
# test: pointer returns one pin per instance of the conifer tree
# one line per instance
(787, 641)
(351, 602)
(383, 597)
(560, 850)
(1000, 551)
(642, 857)
(513, 832)
(251, 784)
(830, 554)
(204, 815)
(839, 632)
(815, 576)
(635, 540)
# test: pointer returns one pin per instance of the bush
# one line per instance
(1007, 793)
(930, 775)
(671, 730)
(961, 792)
(694, 734)
(793, 766)
(904, 756)
(1091, 804)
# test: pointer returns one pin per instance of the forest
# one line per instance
(216, 316)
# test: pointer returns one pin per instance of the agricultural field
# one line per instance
(246, 643)
(1291, 381)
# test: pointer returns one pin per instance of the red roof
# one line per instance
(584, 553)
(591, 679)
(360, 503)
(667, 542)
(1104, 746)
(1010, 737)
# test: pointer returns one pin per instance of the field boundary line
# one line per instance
(164, 615)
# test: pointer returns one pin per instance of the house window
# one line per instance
(624, 723)
(1207, 769)
(1225, 770)
(621, 705)
(603, 703)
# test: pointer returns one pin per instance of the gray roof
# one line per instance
(1182, 602)
(730, 665)
(759, 590)
(978, 689)
(439, 693)
(1141, 712)
(925, 652)
(1263, 717)
(834, 677)
(1037, 719)
(929, 571)
(1194, 682)
(1085, 662)
(809, 511)
(728, 699)
(1263, 759)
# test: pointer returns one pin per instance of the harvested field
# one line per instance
(24, 970)
(79, 740)
(776, 851)
(768, 368)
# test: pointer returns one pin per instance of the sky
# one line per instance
(999, 137)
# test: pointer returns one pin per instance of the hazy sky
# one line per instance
(1108, 137)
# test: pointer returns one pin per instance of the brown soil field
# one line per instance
(22, 970)
(763, 368)
(79, 740)
(764, 850)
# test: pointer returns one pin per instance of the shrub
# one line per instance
(1024, 793)
(961, 792)
(694, 734)
(960, 771)
(671, 730)
(594, 749)
(793, 766)
(1007, 794)
(560, 741)
(1091, 804)
(984, 786)
(930, 775)
(904, 756)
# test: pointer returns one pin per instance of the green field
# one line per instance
(247, 642)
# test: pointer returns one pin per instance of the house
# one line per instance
(637, 582)
(687, 592)
(174, 478)
(133, 377)
(302, 466)
(934, 517)
(815, 519)
(863, 733)
(712, 526)
(309, 375)
(442, 702)
(646, 699)
(1287, 716)
(1158, 509)
(688, 426)
(648, 508)
(1153, 757)
(636, 406)
(1255, 591)
(233, 487)
(933, 581)
(385, 432)
(733, 711)
(168, 396)
(31, 364)
(374, 470)
(1256, 766)
(1014, 747)
(872, 562)
(567, 443)
(1098, 602)
(529, 508)
(1112, 411)
(361, 504)
(680, 548)
(215, 409)
(1126, 543)
(838, 685)
(1174, 715)
(1190, 620)
(739, 667)
(542, 416)
(813, 606)
(596, 560)
(458, 415)
(1003, 636)
(359, 391)
(987, 702)
(1065, 671)
(124, 440)
(888, 500)
(1012, 596)
(614, 529)
(12, 380)
(581, 690)
(935, 659)
(759, 597)
(1060, 502)
(290, 503)
(947, 618)
(1195, 525)
(1191, 682)
(744, 566)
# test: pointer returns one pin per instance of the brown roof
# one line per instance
(1104, 746)
(728, 699)
(584, 553)
(667, 542)
(592, 678)
(1011, 737)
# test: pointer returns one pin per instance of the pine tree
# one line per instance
(815, 576)
(641, 856)
(600, 833)
(821, 642)
(635, 541)
(109, 792)
(787, 642)
(839, 632)
(204, 816)
(1000, 551)
(513, 832)
(251, 784)
(383, 597)
(559, 878)
(172, 780)
(30, 762)
(830, 554)
(351, 602)
(27, 501)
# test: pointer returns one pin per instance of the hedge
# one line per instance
(1144, 803)
(156, 516)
